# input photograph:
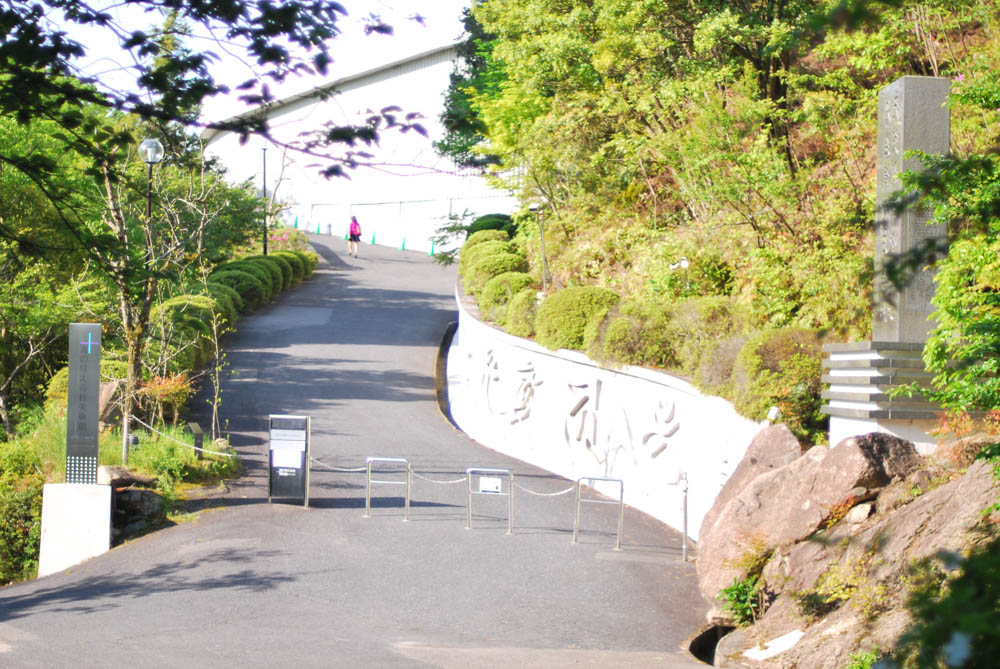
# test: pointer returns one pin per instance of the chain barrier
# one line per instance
(345, 470)
(424, 478)
(193, 448)
(544, 494)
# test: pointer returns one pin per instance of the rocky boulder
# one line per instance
(774, 446)
(871, 561)
(787, 504)
(118, 476)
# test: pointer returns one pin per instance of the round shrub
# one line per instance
(488, 222)
(287, 279)
(563, 317)
(481, 236)
(277, 270)
(229, 301)
(521, 310)
(499, 290)
(20, 512)
(260, 273)
(782, 368)
(250, 288)
(468, 257)
(297, 264)
(57, 389)
(490, 266)
(273, 274)
(309, 260)
(696, 324)
(633, 333)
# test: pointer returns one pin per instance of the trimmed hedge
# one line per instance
(563, 317)
(489, 222)
(251, 289)
(310, 260)
(782, 368)
(274, 269)
(287, 279)
(469, 257)
(498, 291)
(297, 264)
(57, 389)
(481, 236)
(521, 313)
(490, 266)
(229, 301)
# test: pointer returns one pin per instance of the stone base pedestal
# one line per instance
(76, 525)
(859, 377)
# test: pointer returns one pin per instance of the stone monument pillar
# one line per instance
(912, 116)
(76, 515)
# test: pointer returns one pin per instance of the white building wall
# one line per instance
(403, 194)
(562, 412)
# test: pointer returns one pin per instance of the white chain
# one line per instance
(464, 478)
(194, 448)
(545, 494)
(337, 469)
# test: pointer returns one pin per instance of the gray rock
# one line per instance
(135, 503)
(774, 446)
(118, 476)
(946, 519)
(790, 503)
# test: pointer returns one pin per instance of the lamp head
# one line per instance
(151, 151)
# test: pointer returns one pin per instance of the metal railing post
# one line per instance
(408, 483)
(472, 471)
(621, 505)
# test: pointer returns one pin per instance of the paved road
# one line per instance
(249, 583)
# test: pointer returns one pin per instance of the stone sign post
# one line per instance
(76, 515)
(913, 115)
(82, 400)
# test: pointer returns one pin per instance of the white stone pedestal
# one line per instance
(76, 525)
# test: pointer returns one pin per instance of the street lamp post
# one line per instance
(151, 152)
(264, 188)
(541, 229)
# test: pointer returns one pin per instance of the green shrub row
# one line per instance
(259, 279)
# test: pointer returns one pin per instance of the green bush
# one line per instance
(274, 269)
(782, 368)
(262, 274)
(287, 278)
(521, 311)
(477, 238)
(469, 257)
(715, 371)
(269, 275)
(250, 289)
(498, 291)
(697, 324)
(633, 333)
(20, 511)
(229, 301)
(309, 261)
(57, 389)
(297, 264)
(490, 266)
(563, 316)
(181, 334)
(489, 222)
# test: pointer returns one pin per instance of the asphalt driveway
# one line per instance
(248, 583)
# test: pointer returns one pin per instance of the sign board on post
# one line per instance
(288, 464)
(76, 515)
(82, 399)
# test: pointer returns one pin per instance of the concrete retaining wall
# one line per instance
(561, 411)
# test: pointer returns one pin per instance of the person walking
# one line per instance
(354, 236)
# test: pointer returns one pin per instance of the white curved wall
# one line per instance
(561, 411)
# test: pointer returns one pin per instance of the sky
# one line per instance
(353, 51)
